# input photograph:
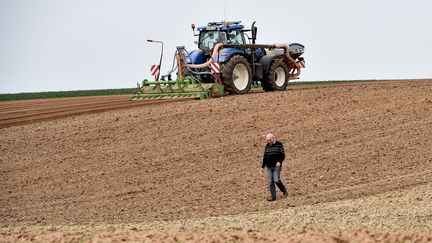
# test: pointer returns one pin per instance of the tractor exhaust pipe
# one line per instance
(254, 32)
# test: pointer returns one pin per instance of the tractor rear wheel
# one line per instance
(277, 77)
(236, 75)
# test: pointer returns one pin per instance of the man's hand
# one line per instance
(278, 164)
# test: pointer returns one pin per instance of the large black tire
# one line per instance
(236, 75)
(277, 77)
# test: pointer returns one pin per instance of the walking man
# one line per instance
(274, 155)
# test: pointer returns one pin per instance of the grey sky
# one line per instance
(96, 44)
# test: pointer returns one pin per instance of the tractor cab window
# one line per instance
(208, 39)
(236, 37)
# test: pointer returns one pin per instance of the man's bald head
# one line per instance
(270, 138)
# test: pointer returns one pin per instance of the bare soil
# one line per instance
(193, 160)
(13, 113)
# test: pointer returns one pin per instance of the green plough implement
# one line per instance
(187, 87)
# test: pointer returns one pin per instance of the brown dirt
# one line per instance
(199, 159)
(13, 113)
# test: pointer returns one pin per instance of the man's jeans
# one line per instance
(273, 176)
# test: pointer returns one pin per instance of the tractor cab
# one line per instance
(228, 33)
(220, 32)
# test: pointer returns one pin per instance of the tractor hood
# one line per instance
(198, 56)
(226, 53)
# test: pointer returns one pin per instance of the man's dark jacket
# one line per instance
(273, 153)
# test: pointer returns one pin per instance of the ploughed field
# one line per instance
(358, 164)
(13, 113)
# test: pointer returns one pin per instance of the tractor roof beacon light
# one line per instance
(160, 61)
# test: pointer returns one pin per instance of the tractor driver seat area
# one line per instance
(222, 38)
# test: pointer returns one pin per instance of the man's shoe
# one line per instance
(271, 199)
(285, 195)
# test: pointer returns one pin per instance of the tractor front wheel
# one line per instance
(277, 77)
(236, 75)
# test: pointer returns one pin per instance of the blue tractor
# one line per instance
(227, 60)
(243, 62)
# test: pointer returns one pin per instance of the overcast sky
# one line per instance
(96, 44)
